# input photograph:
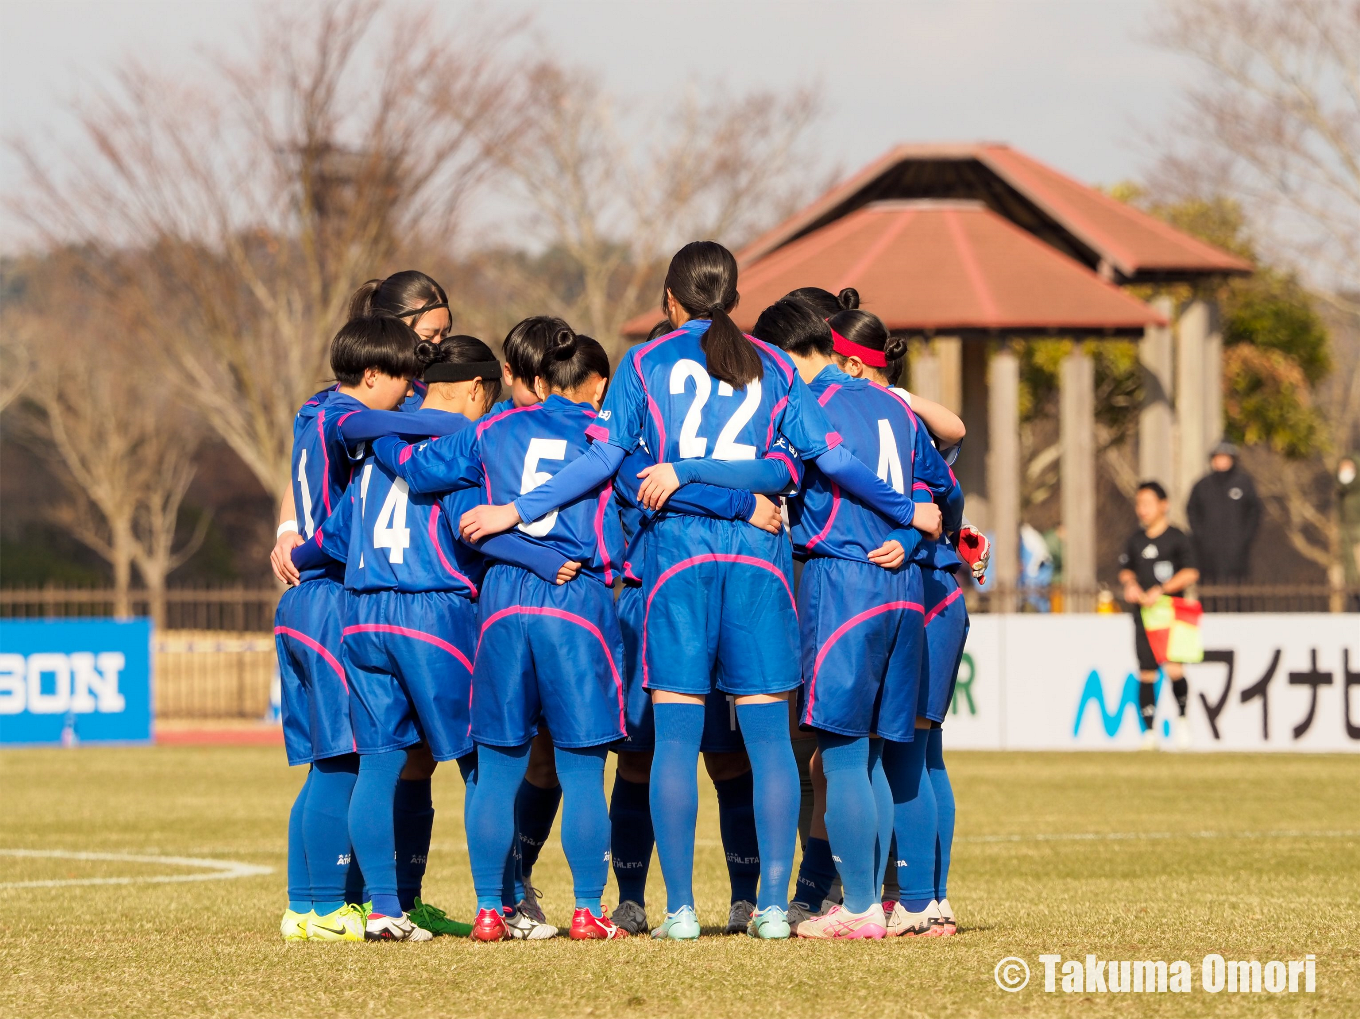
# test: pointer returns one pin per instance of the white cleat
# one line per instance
(914, 925)
(394, 928)
(1150, 741)
(1180, 732)
(524, 926)
(946, 925)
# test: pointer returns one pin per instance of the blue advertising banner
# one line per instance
(69, 681)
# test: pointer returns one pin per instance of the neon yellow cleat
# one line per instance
(293, 927)
(344, 924)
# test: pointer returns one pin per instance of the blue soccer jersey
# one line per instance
(321, 467)
(663, 395)
(879, 429)
(513, 452)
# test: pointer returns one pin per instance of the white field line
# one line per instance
(218, 870)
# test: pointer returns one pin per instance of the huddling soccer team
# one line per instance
(606, 561)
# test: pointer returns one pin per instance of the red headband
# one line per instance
(871, 357)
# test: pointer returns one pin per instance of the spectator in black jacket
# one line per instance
(1224, 512)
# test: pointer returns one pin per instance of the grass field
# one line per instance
(1123, 855)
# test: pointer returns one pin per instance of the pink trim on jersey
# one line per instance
(325, 460)
(570, 617)
(628, 573)
(780, 404)
(707, 557)
(775, 353)
(638, 354)
(406, 631)
(434, 540)
(298, 635)
(405, 454)
(793, 471)
(833, 439)
(919, 486)
(841, 631)
(597, 432)
(831, 519)
(482, 426)
(831, 391)
(952, 597)
(606, 494)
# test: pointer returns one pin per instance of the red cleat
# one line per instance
(586, 926)
(489, 926)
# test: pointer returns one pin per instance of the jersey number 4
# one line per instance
(691, 442)
(390, 530)
(540, 449)
(889, 462)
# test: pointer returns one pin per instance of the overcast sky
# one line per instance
(1073, 82)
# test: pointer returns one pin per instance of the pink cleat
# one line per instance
(840, 923)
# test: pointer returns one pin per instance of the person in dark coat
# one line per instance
(1224, 512)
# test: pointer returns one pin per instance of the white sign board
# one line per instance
(1070, 682)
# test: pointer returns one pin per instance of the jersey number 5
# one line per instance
(691, 442)
(540, 449)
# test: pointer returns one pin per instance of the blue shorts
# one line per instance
(946, 632)
(550, 653)
(862, 648)
(721, 734)
(719, 611)
(314, 691)
(409, 660)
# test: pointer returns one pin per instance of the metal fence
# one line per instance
(214, 674)
(238, 608)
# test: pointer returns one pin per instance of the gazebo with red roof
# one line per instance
(962, 243)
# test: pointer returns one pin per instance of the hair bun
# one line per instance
(848, 299)
(895, 347)
(427, 352)
(562, 346)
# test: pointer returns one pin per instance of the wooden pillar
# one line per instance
(1192, 445)
(949, 354)
(972, 466)
(1156, 352)
(1213, 380)
(1077, 428)
(1003, 473)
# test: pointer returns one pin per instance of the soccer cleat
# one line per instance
(344, 924)
(587, 926)
(682, 925)
(436, 921)
(739, 916)
(490, 926)
(293, 926)
(770, 924)
(840, 923)
(630, 916)
(524, 926)
(1180, 732)
(1150, 740)
(394, 928)
(529, 904)
(945, 923)
(912, 925)
(798, 912)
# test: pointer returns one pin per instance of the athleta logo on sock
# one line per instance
(343, 860)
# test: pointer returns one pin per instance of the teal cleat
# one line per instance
(682, 925)
(770, 924)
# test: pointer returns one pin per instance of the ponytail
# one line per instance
(405, 295)
(703, 279)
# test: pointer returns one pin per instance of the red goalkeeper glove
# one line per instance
(975, 550)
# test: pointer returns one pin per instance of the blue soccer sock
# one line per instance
(737, 825)
(815, 874)
(370, 826)
(491, 818)
(412, 825)
(851, 815)
(914, 819)
(883, 807)
(511, 891)
(944, 810)
(535, 811)
(299, 881)
(675, 796)
(585, 821)
(765, 728)
(631, 838)
(326, 830)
